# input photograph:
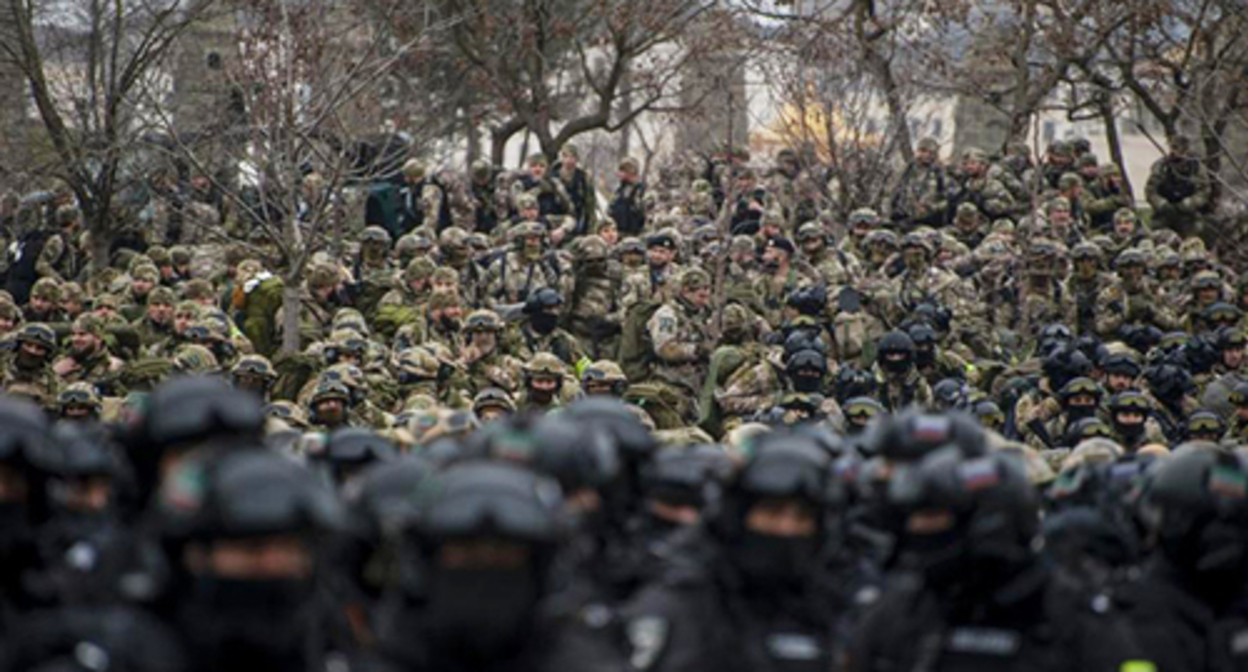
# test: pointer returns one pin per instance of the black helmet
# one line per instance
(23, 431)
(539, 301)
(1122, 363)
(1168, 382)
(635, 442)
(922, 334)
(694, 475)
(810, 301)
(246, 493)
(38, 334)
(950, 394)
(489, 499)
(576, 455)
(806, 369)
(1141, 337)
(349, 450)
(896, 352)
(798, 340)
(201, 408)
(1239, 395)
(851, 381)
(911, 435)
(964, 519)
(989, 414)
(1196, 505)
(784, 464)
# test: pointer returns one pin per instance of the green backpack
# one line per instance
(636, 356)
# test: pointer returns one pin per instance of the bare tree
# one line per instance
(310, 74)
(86, 62)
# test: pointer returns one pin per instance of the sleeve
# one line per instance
(664, 329)
(51, 252)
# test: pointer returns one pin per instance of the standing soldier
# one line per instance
(682, 340)
(1106, 195)
(628, 207)
(579, 187)
(551, 198)
(595, 312)
(482, 186)
(979, 187)
(920, 196)
(1178, 189)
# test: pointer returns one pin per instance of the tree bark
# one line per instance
(290, 316)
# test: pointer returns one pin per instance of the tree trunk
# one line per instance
(1106, 109)
(290, 316)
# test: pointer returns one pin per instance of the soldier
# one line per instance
(595, 311)
(1132, 301)
(977, 186)
(933, 362)
(405, 303)
(1106, 195)
(255, 374)
(628, 206)
(900, 383)
(79, 402)
(558, 227)
(742, 377)
(920, 197)
(482, 187)
(544, 379)
(923, 282)
(969, 226)
(579, 187)
(372, 266)
(1130, 413)
(45, 302)
(317, 303)
(1040, 292)
(648, 283)
(549, 192)
(142, 281)
(681, 338)
(1080, 291)
(88, 358)
(485, 365)
(604, 378)
(1179, 190)
(780, 278)
(30, 365)
(1071, 187)
(422, 201)
(256, 300)
(835, 268)
(541, 331)
(443, 321)
(456, 255)
(526, 268)
(73, 300)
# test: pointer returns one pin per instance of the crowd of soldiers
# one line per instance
(709, 423)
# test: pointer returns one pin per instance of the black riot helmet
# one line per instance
(350, 450)
(806, 369)
(851, 381)
(785, 469)
(895, 353)
(910, 435)
(1196, 506)
(967, 524)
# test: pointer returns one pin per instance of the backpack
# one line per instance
(260, 313)
(636, 355)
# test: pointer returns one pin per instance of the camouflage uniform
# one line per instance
(1131, 301)
(595, 310)
(1081, 289)
(1179, 190)
(834, 266)
(32, 377)
(983, 189)
(680, 335)
(922, 282)
(920, 197)
(493, 368)
(99, 368)
(525, 269)
(1105, 197)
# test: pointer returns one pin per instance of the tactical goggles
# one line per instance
(80, 397)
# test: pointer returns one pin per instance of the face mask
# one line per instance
(449, 324)
(542, 397)
(27, 362)
(1130, 432)
(896, 366)
(1076, 413)
(924, 357)
(768, 561)
(477, 614)
(806, 384)
(255, 624)
(771, 265)
(543, 323)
